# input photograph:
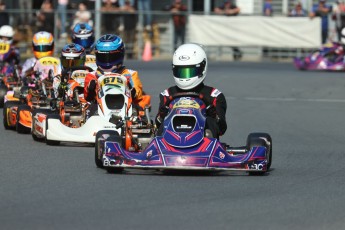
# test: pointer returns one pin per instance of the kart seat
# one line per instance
(72, 107)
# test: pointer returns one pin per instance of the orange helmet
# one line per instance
(43, 44)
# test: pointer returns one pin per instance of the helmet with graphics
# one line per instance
(189, 66)
(6, 34)
(43, 44)
(72, 55)
(83, 35)
(110, 53)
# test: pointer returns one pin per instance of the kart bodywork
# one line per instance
(184, 146)
(113, 100)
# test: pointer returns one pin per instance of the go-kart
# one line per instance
(185, 144)
(70, 108)
(36, 94)
(323, 59)
(113, 102)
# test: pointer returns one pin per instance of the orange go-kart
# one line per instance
(17, 112)
(70, 109)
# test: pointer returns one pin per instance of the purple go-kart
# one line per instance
(326, 59)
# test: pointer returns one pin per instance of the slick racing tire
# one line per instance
(3, 92)
(7, 106)
(261, 139)
(19, 127)
(101, 137)
(34, 112)
(49, 117)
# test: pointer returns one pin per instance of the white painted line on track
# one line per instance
(278, 99)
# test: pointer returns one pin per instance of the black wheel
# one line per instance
(3, 92)
(21, 111)
(34, 112)
(7, 106)
(261, 139)
(49, 117)
(101, 137)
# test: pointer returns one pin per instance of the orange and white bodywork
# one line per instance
(113, 99)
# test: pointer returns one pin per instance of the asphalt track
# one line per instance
(45, 187)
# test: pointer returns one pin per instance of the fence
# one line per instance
(161, 37)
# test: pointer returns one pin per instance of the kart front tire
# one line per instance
(101, 137)
(261, 139)
(7, 106)
(19, 127)
(51, 116)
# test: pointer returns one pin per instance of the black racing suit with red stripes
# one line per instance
(215, 103)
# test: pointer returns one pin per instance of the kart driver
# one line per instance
(189, 69)
(72, 58)
(42, 46)
(110, 53)
(10, 54)
(82, 34)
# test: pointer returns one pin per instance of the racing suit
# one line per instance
(215, 107)
(27, 68)
(11, 58)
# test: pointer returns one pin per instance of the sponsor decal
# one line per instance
(256, 166)
(184, 58)
(149, 154)
(165, 93)
(215, 93)
(221, 155)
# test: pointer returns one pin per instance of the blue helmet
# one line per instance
(110, 52)
(83, 35)
(72, 55)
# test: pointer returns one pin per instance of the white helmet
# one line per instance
(189, 66)
(342, 39)
(6, 34)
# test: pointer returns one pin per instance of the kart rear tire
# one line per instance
(51, 116)
(261, 139)
(101, 137)
(3, 92)
(8, 105)
(19, 127)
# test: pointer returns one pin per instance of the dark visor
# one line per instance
(112, 58)
(43, 48)
(67, 63)
(188, 71)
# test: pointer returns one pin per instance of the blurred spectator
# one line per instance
(110, 17)
(338, 16)
(62, 9)
(144, 6)
(268, 8)
(25, 6)
(322, 10)
(45, 17)
(230, 9)
(4, 16)
(83, 15)
(298, 11)
(130, 20)
(179, 18)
